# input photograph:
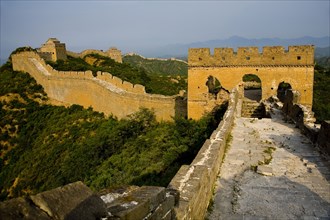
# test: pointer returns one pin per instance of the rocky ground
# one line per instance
(271, 171)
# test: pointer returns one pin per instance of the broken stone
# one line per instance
(265, 170)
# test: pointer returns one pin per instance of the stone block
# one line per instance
(21, 208)
(72, 201)
(165, 207)
(139, 203)
(154, 194)
(178, 178)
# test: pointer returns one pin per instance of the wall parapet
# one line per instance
(113, 53)
(194, 182)
(105, 93)
(250, 56)
(303, 117)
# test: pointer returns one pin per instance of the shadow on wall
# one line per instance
(181, 105)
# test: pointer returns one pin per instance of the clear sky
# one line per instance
(142, 25)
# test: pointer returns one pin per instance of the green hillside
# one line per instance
(44, 146)
(154, 83)
(163, 67)
(321, 91)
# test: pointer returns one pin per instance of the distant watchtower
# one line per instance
(226, 67)
(114, 54)
(53, 50)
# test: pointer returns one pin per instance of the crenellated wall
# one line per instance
(273, 66)
(247, 56)
(105, 93)
(113, 53)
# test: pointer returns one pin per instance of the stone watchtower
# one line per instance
(273, 66)
(114, 54)
(53, 50)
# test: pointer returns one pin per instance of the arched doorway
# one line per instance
(281, 90)
(252, 87)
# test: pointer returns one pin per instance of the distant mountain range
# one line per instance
(175, 50)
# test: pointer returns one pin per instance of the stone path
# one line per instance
(271, 171)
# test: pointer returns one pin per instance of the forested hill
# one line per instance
(44, 146)
(167, 67)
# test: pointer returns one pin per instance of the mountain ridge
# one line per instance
(175, 50)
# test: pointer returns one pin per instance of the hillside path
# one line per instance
(271, 171)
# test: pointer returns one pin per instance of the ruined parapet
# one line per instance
(323, 139)
(77, 201)
(146, 202)
(250, 56)
(72, 201)
(301, 115)
(194, 182)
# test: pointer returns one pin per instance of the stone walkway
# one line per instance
(271, 171)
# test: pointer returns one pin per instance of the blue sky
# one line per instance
(142, 25)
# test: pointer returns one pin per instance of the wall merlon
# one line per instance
(117, 81)
(49, 68)
(127, 86)
(139, 89)
(250, 56)
(88, 74)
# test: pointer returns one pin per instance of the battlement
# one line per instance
(250, 56)
(104, 92)
(104, 76)
(113, 53)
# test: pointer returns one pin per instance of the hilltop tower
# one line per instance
(53, 50)
(114, 54)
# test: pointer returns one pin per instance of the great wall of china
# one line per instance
(191, 190)
(105, 93)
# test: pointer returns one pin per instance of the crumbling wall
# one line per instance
(273, 66)
(303, 118)
(76, 201)
(323, 139)
(105, 93)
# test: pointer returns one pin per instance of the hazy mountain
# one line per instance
(175, 50)
(322, 52)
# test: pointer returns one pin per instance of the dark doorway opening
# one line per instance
(252, 87)
(281, 90)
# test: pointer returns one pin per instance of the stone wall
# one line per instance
(304, 119)
(113, 53)
(105, 93)
(273, 66)
(194, 183)
(76, 201)
(323, 139)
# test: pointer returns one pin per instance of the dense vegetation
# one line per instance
(44, 146)
(158, 66)
(321, 97)
(154, 83)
